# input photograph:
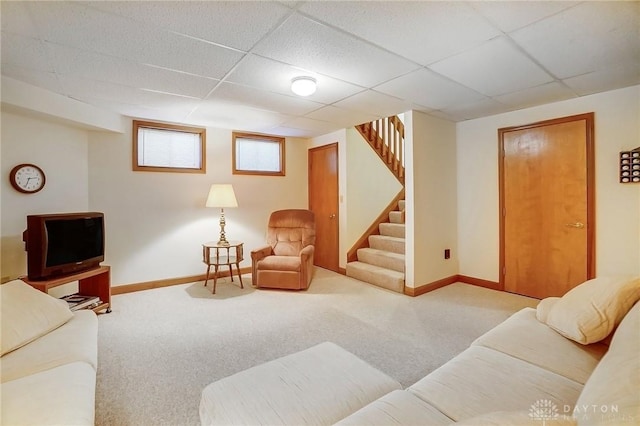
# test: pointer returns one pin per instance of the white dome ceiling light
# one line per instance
(303, 86)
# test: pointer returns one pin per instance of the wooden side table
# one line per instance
(216, 255)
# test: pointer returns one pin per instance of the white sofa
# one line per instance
(524, 371)
(49, 359)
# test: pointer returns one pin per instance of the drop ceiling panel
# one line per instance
(15, 19)
(375, 103)
(475, 109)
(304, 43)
(511, 15)
(78, 26)
(234, 93)
(235, 116)
(588, 37)
(239, 25)
(274, 76)
(423, 31)
(601, 81)
(24, 52)
(341, 116)
(74, 62)
(93, 30)
(314, 127)
(84, 89)
(546, 93)
(427, 88)
(497, 68)
(190, 55)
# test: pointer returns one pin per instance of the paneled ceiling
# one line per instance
(230, 64)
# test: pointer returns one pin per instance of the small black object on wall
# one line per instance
(630, 166)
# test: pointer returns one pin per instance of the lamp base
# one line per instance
(223, 240)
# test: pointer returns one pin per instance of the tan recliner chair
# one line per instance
(287, 262)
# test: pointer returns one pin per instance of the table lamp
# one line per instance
(222, 195)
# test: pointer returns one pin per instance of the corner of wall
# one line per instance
(431, 187)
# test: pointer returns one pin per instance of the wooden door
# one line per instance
(323, 201)
(546, 204)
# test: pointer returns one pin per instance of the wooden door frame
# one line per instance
(310, 151)
(591, 214)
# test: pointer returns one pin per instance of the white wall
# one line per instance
(431, 200)
(370, 186)
(62, 153)
(156, 222)
(617, 128)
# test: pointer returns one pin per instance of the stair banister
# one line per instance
(386, 138)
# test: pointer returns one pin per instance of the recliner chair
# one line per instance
(287, 261)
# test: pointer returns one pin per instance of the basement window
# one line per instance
(160, 147)
(255, 154)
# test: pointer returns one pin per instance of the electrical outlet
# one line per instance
(447, 253)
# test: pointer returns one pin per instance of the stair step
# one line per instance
(401, 205)
(396, 216)
(382, 277)
(382, 258)
(384, 242)
(392, 229)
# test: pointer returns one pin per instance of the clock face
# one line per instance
(27, 178)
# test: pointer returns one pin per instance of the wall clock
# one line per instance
(27, 178)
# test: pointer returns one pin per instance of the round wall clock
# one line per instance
(27, 178)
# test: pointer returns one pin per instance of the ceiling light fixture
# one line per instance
(303, 86)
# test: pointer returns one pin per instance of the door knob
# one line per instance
(332, 216)
(579, 225)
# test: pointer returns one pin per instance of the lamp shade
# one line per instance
(221, 195)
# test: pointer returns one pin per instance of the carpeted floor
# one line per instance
(159, 348)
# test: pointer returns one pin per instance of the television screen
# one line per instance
(73, 240)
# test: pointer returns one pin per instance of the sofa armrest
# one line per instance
(306, 263)
(261, 253)
(256, 256)
(307, 252)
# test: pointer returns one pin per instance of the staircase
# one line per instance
(382, 263)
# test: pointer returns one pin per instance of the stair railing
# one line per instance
(386, 137)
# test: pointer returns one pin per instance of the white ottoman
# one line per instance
(320, 385)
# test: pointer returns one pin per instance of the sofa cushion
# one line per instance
(397, 408)
(280, 263)
(63, 395)
(77, 340)
(611, 395)
(319, 385)
(520, 418)
(27, 314)
(524, 337)
(481, 380)
(590, 311)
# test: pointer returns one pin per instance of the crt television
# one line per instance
(63, 243)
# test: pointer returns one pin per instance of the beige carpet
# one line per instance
(159, 348)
